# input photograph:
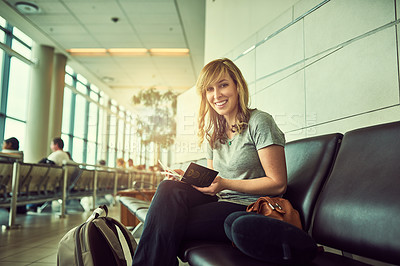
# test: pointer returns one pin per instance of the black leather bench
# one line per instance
(136, 206)
(347, 191)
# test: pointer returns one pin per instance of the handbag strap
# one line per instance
(273, 204)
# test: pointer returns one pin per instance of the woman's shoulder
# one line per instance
(258, 116)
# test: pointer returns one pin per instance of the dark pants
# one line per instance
(179, 212)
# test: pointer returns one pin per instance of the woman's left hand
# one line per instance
(216, 186)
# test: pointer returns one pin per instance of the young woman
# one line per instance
(247, 149)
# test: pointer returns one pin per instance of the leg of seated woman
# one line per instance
(166, 222)
(206, 221)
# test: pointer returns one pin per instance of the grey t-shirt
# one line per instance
(238, 158)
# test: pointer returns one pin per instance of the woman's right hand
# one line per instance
(171, 177)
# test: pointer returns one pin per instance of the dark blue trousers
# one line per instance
(179, 212)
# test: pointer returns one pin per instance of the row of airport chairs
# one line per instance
(27, 183)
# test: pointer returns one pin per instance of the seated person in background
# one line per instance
(69, 155)
(130, 164)
(11, 146)
(58, 155)
(120, 163)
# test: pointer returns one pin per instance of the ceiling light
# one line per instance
(87, 51)
(27, 7)
(128, 51)
(107, 79)
(169, 51)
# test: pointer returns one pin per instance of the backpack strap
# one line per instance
(112, 240)
(78, 250)
(128, 236)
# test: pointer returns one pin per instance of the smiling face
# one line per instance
(222, 95)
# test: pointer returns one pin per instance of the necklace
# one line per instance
(231, 140)
(233, 129)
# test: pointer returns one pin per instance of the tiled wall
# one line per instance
(319, 66)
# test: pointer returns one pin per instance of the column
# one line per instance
(36, 144)
(57, 97)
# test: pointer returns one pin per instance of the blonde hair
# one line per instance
(121, 162)
(212, 125)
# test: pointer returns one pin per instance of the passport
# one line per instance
(198, 175)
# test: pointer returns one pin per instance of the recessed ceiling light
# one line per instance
(128, 51)
(107, 79)
(169, 51)
(27, 7)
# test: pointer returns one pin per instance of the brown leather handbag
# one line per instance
(277, 208)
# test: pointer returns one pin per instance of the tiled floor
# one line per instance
(36, 242)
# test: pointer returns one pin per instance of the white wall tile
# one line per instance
(397, 3)
(280, 51)
(360, 77)
(341, 20)
(295, 135)
(302, 7)
(285, 101)
(244, 46)
(398, 35)
(388, 115)
(230, 22)
(252, 92)
(247, 64)
(337, 90)
(269, 80)
(275, 25)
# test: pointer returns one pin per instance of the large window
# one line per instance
(14, 82)
(112, 147)
(17, 99)
(84, 128)
(80, 123)
(121, 136)
(16, 129)
(80, 116)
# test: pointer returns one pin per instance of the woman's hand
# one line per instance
(216, 186)
(171, 177)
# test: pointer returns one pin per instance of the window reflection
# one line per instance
(81, 88)
(69, 80)
(2, 22)
(2, 36)
(15, 129)
(78, 150)
(111, 141)
(21, 49)
(1, 68)
(17, 100)
(91, 153)
(66, 111)
(80, 115)
(22, 36)
(65, 138)
(111, 158)
(92, 122)
(121, 131)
